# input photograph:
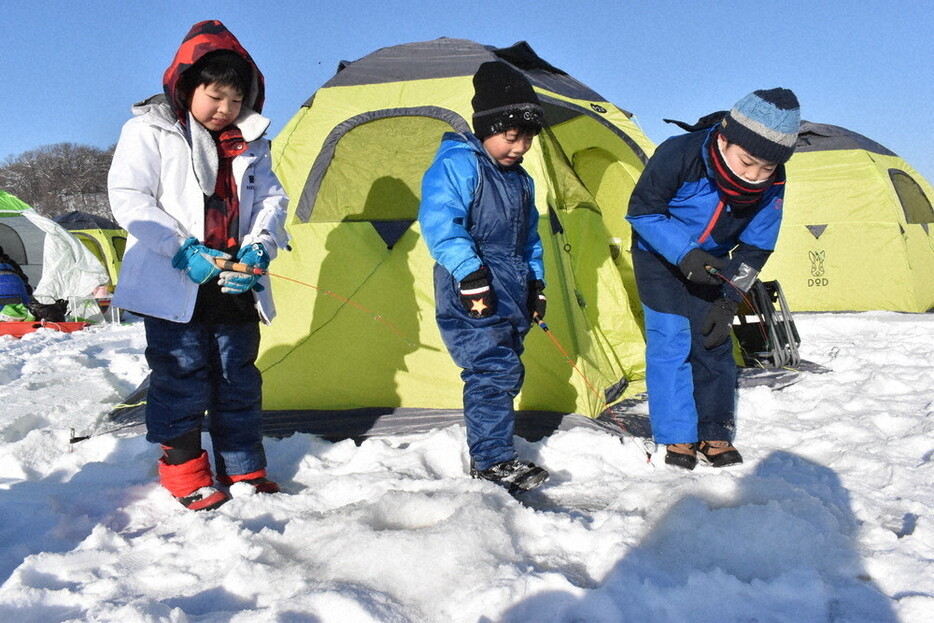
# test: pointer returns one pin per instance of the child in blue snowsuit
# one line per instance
(479, 220)
(701, 196)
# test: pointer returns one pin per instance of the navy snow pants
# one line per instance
(200, 368)
(489, 352)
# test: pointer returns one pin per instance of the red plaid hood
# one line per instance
(203, 38)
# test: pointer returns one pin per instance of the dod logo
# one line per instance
(817, 278)
(600, 109)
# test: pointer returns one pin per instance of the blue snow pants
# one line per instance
(692, 390)
(202, 368)
(489, 352)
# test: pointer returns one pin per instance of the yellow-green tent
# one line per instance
(359, 332)
(102, 237)
(858, 227)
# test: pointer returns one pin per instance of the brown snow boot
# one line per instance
(682, 455)
(719, 453)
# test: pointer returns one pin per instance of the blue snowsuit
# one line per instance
(676, 207)
(476, 213)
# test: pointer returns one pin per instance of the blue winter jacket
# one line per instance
(676, 207)
(12, 288)
(469, 209)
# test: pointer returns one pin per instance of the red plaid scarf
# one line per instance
(222, 210)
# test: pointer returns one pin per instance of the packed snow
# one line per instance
(829, 519)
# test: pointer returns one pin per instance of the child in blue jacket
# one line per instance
(705, 215)
(479, 220)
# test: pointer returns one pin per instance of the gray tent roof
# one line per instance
(826, 137)
(445, 58)
(83, 220)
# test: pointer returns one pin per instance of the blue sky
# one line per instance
(72, 69)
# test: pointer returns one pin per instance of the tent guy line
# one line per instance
(247, 269)
(648, 444)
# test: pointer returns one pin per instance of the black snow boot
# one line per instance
(515, 475)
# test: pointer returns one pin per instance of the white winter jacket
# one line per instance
(155, 195)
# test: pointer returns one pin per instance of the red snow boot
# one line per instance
(257, 479)
(192, 483)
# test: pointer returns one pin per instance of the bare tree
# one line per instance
(56, 179)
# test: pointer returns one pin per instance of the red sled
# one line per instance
(21, 328)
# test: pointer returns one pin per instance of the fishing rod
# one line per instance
(247, 269)
(648, 445)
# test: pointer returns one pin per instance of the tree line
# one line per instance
(57, 179)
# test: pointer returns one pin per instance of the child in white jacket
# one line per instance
(191, 181)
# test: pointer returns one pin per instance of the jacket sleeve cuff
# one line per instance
(466, 267)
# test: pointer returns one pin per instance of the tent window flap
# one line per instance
(914, 202)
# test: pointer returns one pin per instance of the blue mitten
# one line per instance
(254, 255)
(197, 261)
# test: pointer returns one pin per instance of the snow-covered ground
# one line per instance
(829, 519)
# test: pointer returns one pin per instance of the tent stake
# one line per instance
(72, 440)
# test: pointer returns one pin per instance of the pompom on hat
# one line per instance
(764, 123)
(503, 99)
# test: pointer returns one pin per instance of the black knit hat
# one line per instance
(764, 123)
(503, 99)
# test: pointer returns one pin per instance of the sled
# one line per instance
(19, 328)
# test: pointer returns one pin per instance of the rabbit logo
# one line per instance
(817, 268)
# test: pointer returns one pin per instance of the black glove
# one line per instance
(694, 266)
(537, 301)
(719, 322)
(477, 294)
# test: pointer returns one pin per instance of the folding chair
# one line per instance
(765, 330)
